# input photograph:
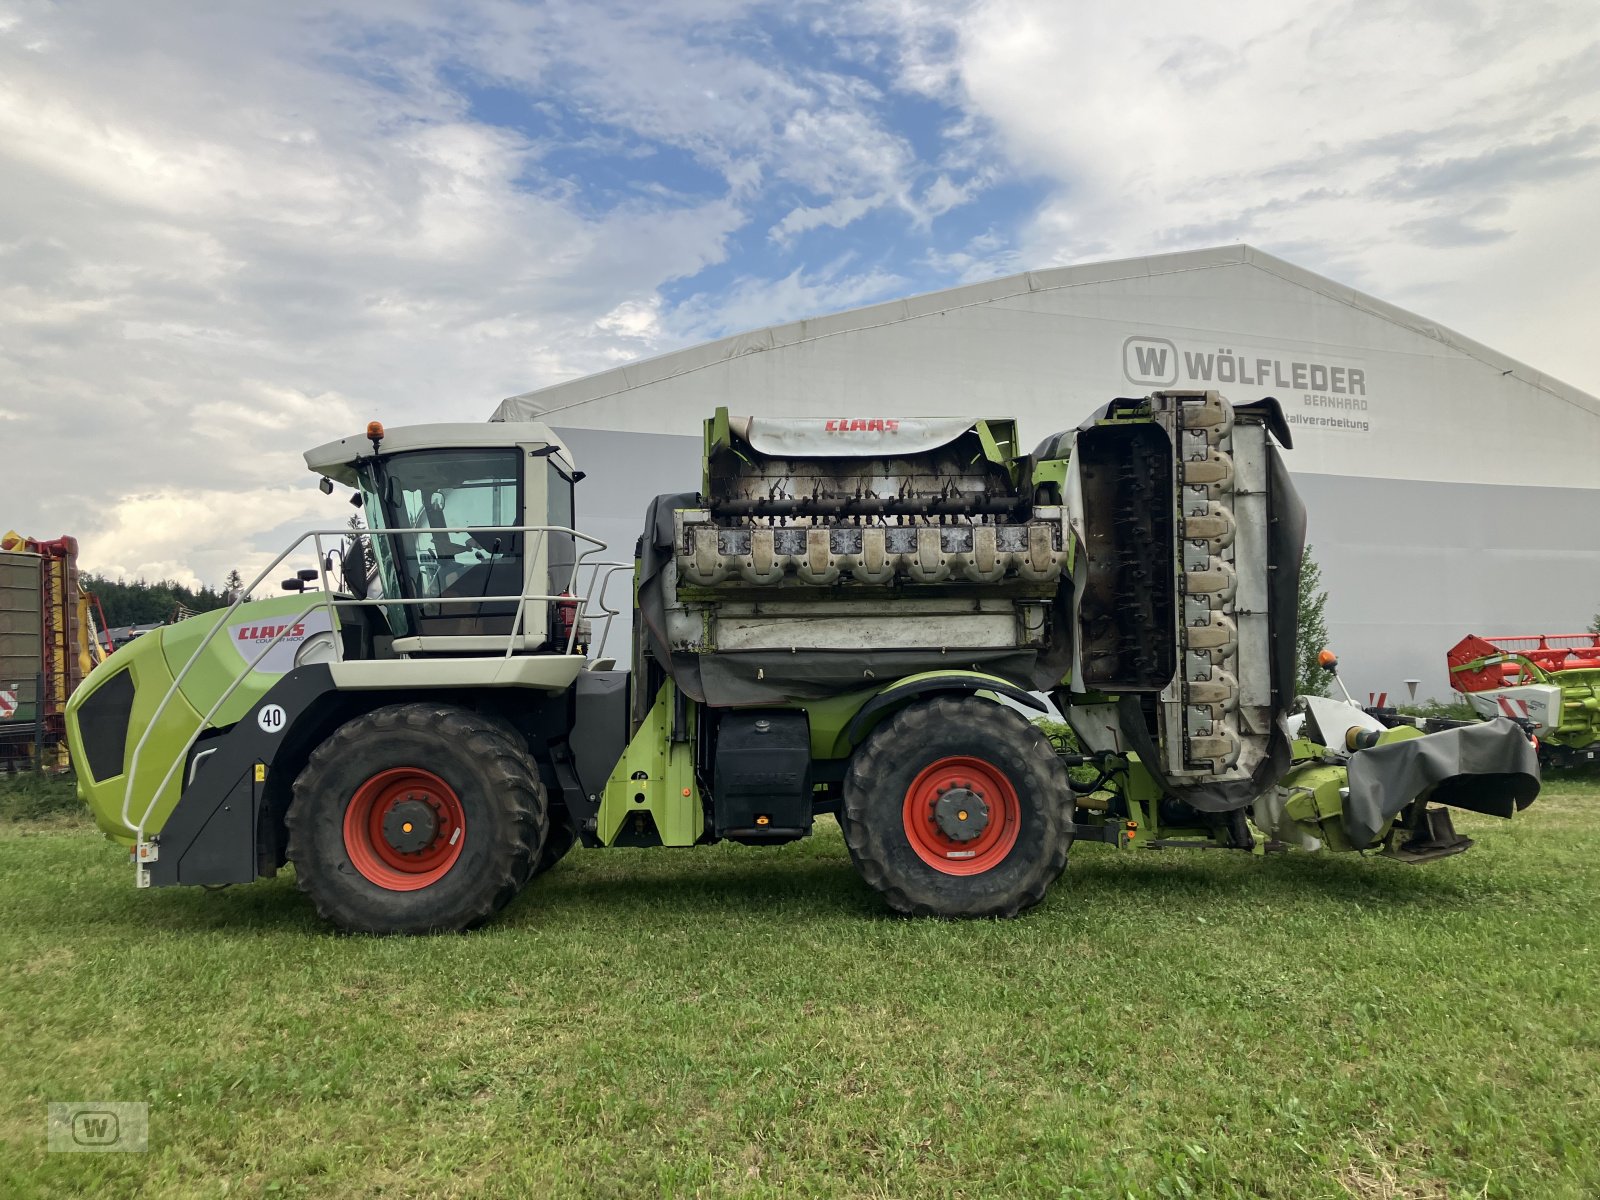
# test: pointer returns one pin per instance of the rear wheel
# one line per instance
(416, 818)
(957, 807)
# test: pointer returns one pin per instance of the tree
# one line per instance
(142, 602)
(233, 586)
(1594, 625)
(1311, 630)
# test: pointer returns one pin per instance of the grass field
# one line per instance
(731, 1021)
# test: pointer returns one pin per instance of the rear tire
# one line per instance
(957, 807)
(416, 818)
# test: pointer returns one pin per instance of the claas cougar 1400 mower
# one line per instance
(854, 617)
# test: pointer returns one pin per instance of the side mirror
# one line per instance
(306, 574)
(293, 585)
(356, 499)
(326, 485)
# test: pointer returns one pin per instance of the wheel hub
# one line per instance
(961, 814)
(410, 825)
(404, 829)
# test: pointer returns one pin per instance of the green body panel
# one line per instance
(144, 660)
(717, 437)
(154, 661)
(223, 659)
(1580, 709)
(668, 790)
(1313, 801)
(999, 441)
(830, 718)
(1141, 793)
(655, 775)
(1312, 790)
(1050, 470)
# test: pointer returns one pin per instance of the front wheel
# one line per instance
(957, 807)
(416, 818)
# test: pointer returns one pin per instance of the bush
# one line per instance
(1311, 630)
(32, 795)
(1455, 710)
(1066, 742)
(1060, 735)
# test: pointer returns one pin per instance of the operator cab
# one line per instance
(459, 503)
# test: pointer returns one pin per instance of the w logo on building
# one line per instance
(1148, 360)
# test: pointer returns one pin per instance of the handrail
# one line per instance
(332, 602)
(603, 610)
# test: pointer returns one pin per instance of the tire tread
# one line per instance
(867, 818)
(513, 787)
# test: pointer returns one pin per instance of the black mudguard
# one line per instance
(214, 834)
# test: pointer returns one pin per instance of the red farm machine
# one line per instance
(48, 642)
(1550, 682)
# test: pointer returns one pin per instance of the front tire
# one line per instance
(957, 807)
(416, 818)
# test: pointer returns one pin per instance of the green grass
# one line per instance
(37, 795)
(733, 1021)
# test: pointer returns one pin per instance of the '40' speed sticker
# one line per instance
(271, 718)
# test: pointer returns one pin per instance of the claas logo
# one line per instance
(265, 633)
(862, 425)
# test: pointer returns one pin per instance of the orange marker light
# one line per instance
(763, 820)
(685, 791)
(1327, 658)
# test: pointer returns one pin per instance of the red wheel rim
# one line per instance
(961, 776)
(400, 803)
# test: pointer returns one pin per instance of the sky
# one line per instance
(229, 232)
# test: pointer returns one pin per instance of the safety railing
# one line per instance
(604, 574)
(325, 598)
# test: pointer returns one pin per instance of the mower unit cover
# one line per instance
(1490, 768)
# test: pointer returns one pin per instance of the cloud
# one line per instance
(752, 302)
(231, 232)
(1357, 138)
(1559, 156)
(986, 256)
(1460, 225)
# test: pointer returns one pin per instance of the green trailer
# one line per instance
(859, 617)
